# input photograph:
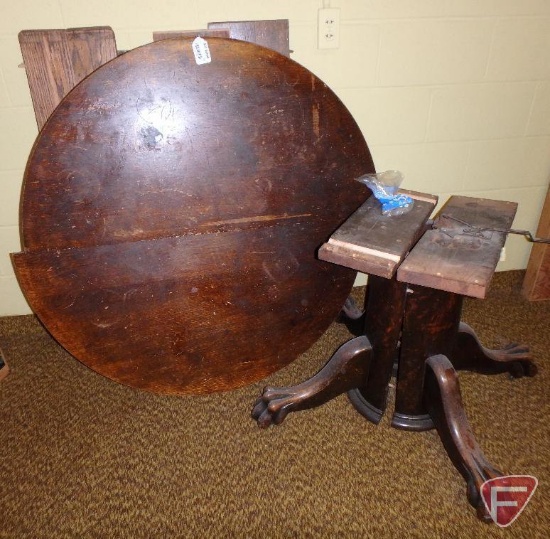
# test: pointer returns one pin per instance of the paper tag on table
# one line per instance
(201, 51)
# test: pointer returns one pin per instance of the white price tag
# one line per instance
(201, 51)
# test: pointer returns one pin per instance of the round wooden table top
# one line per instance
(171, 214)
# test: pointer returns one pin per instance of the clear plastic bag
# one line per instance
(384, 187)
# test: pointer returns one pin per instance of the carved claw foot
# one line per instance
(469, 354)
(347, 369)
(444, 403)
(484, 471)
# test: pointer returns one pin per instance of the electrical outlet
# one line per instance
(502, 255)
(328, 28)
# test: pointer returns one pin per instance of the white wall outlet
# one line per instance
(502, 255)
(328, 28)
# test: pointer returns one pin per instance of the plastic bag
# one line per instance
(384, 187)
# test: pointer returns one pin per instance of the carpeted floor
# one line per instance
(84, 457)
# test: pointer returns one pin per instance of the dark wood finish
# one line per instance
(272, 34)
(56, 60)
(536, 284)
(444, 402)
(171, 214)
(384, 308)
(412, 323)
(419, 329)
(187, 314)
(470, 355)
(171, 34)
(345, 370)
(374, 243)
(430, 324)
(449, 259)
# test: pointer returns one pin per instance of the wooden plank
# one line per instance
(536, 285)
(271, 34)
(57, 60)
(374, 243)
(455, 257)
(171, 34)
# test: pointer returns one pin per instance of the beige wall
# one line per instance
(454, 93)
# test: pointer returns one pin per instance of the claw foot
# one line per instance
(347, 369)
(481, 471)
(444, 402)
(469, 354)
(517, 357)
(274, 404)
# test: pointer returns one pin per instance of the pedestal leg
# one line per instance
(430, 327)
(385, 304)
(469, 354)
(444, 403)
(345, 370)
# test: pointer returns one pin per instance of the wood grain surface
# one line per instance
(374, 243)
(171, 34)
(171, 214)
(272, 34)
(458, 257)
(56, 60)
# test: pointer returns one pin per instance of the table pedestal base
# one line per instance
(418, 328)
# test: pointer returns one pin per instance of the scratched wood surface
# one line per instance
(457, 257)
(171, 214)
(273, 34)
(56, 60)
(374, 243)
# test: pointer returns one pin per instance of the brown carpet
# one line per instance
(84, 457)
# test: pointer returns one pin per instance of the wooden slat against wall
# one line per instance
(158, 36)
(536, 285)
(57, 60)
(271, 34)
